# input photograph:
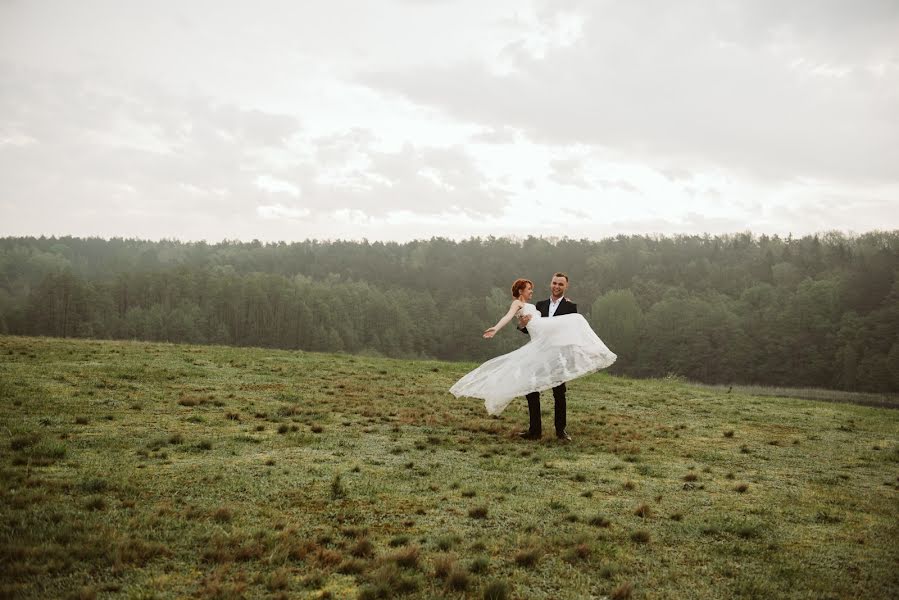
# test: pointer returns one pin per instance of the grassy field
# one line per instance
(160, 471)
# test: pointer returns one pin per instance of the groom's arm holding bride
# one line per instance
(523, 324)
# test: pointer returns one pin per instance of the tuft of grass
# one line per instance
(497, 590)
(222, 514)
(445, 542)
(623, 591)
(641, 536)
(643, 511)
(824, 516)
(443, 565)
(279, 580)
(479, 564)
(337, 488)
(527, 557)
(741, 488)
(94, 486)
(95, 503)
(352, 566)
(458, 580)
(20, 442)
(133, 551)
(608, 571)
(578, 553)
(478, 512)
(363, 548)
(388, 582)
(729, 433)
(407, 557)
(599, 521)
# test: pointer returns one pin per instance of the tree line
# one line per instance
(819, 310)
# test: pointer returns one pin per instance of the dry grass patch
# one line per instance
(641, 536)
(407, 557)
(527, 557)
(363, 548)
(623, 591)
(497, 590)
(599, 521)
(478, 512)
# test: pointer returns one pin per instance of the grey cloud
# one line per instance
(496, 135)
(111, 155)
(569, 171)
(418, 179)
(343, 146)
(114, 155)
(676, 174)
(618, 184)
(729, 84)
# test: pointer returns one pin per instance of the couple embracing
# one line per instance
(562, 347)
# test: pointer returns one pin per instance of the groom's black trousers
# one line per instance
(559, 410)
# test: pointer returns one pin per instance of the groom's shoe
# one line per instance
(529, 435)
(563, 436)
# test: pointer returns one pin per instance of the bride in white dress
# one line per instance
(561, 349)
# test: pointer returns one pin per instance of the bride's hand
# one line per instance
(490, 333)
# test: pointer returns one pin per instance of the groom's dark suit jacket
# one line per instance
(565, 308)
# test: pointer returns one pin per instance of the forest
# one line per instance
(813, 311)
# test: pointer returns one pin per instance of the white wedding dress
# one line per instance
(561, 349)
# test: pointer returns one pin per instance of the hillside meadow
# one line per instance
(149, 470)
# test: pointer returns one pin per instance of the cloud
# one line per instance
(279, 211)
(353, 172)
(96, 155)
(569, 171)
(748, 86)
(472, 122)
(618, 184)
(499, 135)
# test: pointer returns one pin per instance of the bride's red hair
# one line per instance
(520, 285)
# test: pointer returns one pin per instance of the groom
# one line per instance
(557, 304)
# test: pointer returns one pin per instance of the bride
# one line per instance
(561, 349)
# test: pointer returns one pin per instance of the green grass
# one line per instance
(862, 398)
(162, 471)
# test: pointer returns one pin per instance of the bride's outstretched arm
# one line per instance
(516, 304)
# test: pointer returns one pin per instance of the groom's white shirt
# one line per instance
(553, 305)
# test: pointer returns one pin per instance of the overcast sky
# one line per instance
(415, 118)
